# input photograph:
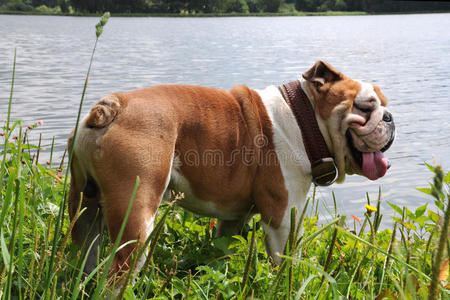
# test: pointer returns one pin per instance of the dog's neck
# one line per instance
(322, 123)
(330, 130)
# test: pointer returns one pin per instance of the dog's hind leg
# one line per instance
(86, 230)
(117, 173)
(139, 225)
(88, 227)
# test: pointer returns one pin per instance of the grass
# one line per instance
(345, 258)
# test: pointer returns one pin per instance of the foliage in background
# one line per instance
(369, 5)
(217, 6)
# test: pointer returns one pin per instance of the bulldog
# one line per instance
(231, 153)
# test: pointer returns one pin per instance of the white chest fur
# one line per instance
(287, 138)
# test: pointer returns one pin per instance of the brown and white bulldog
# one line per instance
(232, 153)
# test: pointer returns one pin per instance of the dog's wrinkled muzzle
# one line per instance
(368, 148)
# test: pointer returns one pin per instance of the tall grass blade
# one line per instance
(8, 118)
(355, 271)
(345, 232)
(249, 260)
(134, 259)
(330, 250)
(76, 286)
(51, 152)
(12, 243)
(104, 262)
(39, 149)
(386, 261)
(300, 224)
(304, 286)
(318, 232)
(5, 252)
(21, 236)
(331, 280)
(291, 246)
(8, 197)
(58, 225)
(438, 258)
(154, 236)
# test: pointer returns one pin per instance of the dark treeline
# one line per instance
(145, 6)
(177, 6)
(370, 5)
(221, 6)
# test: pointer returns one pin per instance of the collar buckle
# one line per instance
(324, 171)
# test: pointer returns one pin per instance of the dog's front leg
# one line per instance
(277, 237)
(278, 226)
(274, 201)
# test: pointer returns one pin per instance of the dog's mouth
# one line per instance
(373, 165)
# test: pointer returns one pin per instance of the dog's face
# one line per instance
(360, 126)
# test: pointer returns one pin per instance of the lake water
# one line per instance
(408, 56)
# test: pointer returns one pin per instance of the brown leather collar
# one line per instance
(323, 169)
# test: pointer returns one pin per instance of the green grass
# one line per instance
(340, 259)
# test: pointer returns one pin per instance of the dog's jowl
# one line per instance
(232, 153)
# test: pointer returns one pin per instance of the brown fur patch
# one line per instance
(329, 95)
(380, 95)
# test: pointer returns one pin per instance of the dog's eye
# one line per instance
(364, 110)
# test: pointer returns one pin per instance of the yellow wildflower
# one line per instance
(370, 208)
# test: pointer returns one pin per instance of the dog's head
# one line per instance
(359, 125)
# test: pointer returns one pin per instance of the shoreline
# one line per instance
(221, 15)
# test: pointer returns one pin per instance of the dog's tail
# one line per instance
(105, 111)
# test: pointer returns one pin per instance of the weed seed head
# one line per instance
(101, 23)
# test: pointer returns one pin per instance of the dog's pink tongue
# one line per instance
(374, 164)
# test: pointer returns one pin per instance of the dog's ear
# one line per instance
(322, 73)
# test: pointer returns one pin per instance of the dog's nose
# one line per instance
(387, 117)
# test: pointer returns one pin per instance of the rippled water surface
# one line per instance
(408, 56)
